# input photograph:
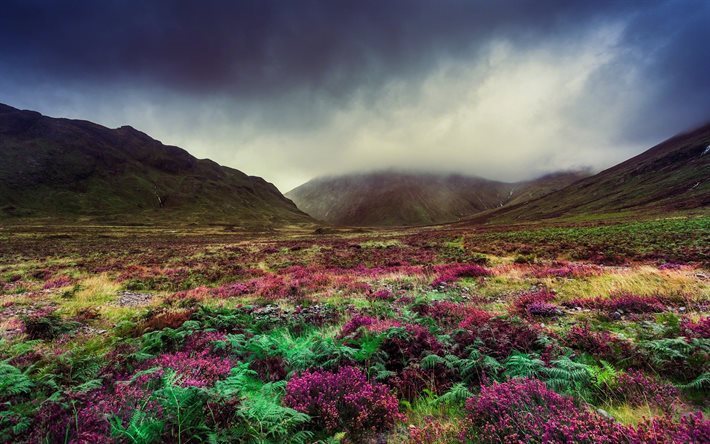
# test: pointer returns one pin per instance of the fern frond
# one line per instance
(13, 382)
(457, 394)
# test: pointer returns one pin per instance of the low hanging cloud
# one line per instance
(294, 90)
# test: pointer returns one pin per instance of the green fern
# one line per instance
(13, 382)
(141, 428)
(570, 377)
(457, 394)
(521, 365)
(184, 408)
(699, 383)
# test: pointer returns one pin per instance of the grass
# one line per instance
(301, 290)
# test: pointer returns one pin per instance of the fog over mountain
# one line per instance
(294, 90)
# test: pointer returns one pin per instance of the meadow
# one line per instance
(584, 332)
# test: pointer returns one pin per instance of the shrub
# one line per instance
(700, 329)
(452, 272)
(446, 313)
(167, 319)
(58, 282)
(343, 401)
(535, 304)
(381, 295)
(497, 337)
(355, 323)
(193, 369)
(567, 271)
(475, 318)
(231, 290)
(623, 302)
(413, 380)
(636, 389)
(45, 325)
(367, 322)
(603, 345)
(525, 410)
(630, 303)
(692, 428)
(408, 344)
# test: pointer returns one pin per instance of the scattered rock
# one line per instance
(130, 299)
(604, 413)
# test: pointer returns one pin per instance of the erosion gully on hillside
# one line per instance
(586, 333)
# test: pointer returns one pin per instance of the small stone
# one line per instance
(616, 316)
(604, 413)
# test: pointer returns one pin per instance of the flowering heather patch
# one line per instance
(369, 323)
(525, 410)
(603, 345)
(343, 400)
(692, 428)
(623, 302)
(670, 266)
(636, 389)
(84, 418)
(381, 295)
(497, 337)
(232, 290)
(446, 313)
(450, 273)
(413, 380)
(58, 282)
(194, 369)
(699, 329)
(631, 303)
(407, 344)
(474, 319)
(535, 304)
(567, 271)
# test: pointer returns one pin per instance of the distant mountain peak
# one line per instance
(394, 197)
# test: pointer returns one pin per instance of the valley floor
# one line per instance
(582, 333)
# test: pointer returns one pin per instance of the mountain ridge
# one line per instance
(68, 169)
(673, 175)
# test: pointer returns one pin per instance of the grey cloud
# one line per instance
(294, 89)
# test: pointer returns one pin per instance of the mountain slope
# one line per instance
(71, 169)
(673, 175)
(390, 198)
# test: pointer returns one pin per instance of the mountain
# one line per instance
(391, 198)
(672, 176)
(68, 170)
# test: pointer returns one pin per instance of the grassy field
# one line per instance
(589, 332)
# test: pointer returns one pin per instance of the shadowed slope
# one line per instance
(674, 175)
(65, 169)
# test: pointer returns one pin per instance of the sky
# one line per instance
(294, 89)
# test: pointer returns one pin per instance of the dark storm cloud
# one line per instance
(292, 89)
(259, 47)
